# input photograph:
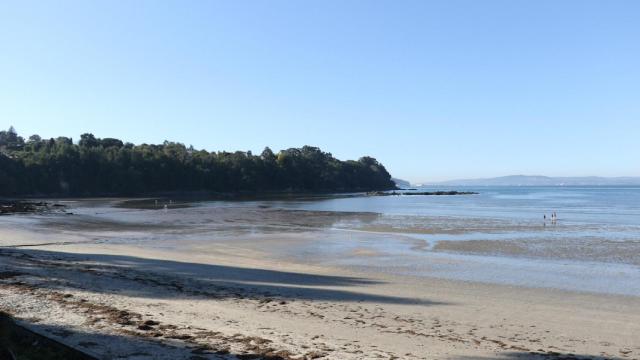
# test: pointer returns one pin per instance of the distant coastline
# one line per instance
(537, 180)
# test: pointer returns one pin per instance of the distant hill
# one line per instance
(401, 183)
(536, 180)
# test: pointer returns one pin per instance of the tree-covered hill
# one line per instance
(107, 166)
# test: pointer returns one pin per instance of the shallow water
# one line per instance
(497, 236)
(601, 205)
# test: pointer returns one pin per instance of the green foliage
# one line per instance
(108, 166)
(9, 140)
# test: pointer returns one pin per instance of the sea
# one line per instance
(503, 235)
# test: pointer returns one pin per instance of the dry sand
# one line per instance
(228, 301)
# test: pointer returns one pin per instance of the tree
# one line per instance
(106, 166)
(34, 139)
(10, 140)
(88, 141)
(268, 156)
(111, 142)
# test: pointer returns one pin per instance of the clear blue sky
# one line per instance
(433, 89)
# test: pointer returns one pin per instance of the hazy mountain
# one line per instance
(401, 183)
(535, 180)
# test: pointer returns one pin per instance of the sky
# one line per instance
(434, 90)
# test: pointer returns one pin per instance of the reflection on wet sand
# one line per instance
(382, 234)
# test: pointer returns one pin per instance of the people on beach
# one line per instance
(553, 216)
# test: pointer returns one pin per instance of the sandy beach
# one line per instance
(92, 281)
(332, 180)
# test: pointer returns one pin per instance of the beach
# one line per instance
(333, 180)
(257, 280)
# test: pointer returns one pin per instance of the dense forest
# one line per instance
(107, 166)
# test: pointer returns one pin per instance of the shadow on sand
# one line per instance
(58, 273)
(152, 278)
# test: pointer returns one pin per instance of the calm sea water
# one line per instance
(590, 205)
(496, 236)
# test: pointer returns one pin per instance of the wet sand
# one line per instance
(129, 285)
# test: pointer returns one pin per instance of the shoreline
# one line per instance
(191, 290)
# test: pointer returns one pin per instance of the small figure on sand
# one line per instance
(165, 208)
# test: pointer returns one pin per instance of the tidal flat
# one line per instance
(300, 280)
